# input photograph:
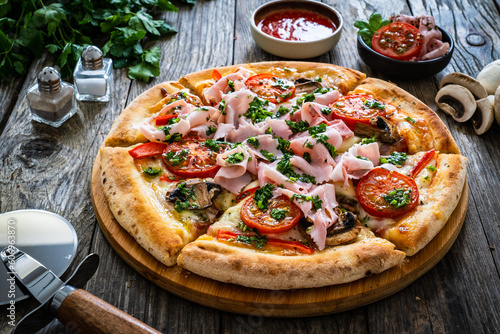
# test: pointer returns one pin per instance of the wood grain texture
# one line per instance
(291, 303)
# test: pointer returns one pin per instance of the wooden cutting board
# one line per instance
(283, 303)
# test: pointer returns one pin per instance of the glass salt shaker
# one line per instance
(93, 76)
(51, 100)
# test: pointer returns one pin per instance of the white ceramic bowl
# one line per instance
(296, 49)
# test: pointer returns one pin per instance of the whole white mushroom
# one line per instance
(489, 76)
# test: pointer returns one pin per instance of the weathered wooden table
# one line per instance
(46, 168)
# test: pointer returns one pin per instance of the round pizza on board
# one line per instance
(281, 175)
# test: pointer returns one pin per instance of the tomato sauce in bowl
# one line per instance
(297, 25)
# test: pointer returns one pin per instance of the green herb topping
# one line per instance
(256, 112)
(366, 141)
(268, 155)
(368, 29)
(151, 171)
(253, 141)
(211, 130)
(297, 127)
(431, 168)
(398, 198)
(278, 214)
(175, 158)
(316, 202)
(235, 158)
(374, 104)
(396, 158)
(263, 195)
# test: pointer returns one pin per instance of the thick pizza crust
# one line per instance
(433, 135)
(122, 132)
(238, 265)
(135, 207)
(437, 202)
(334, 76)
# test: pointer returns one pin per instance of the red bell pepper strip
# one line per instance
(216, 75)
(283, 244)
(163, 119)
(422, 162)
(147, 150)
(245, 193)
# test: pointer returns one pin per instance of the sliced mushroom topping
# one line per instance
(304, 85)
(194, 193)
(474, 86)
(348, 203)
(345, 229)
(483, 117)
(381, 128)
(497, 105)
(489, 76)
(457, 101)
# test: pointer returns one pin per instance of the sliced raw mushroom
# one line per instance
(381, 128)
(197, 193)
(483, 117)
(474, 86)
(497, 105)
(489, 76)
(457, 101)
(304, 85)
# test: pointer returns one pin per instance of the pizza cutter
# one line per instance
(65, 300)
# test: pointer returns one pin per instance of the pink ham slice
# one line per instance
(234, 176)
(214, 93)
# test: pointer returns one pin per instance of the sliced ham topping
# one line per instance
(234, 176)
(327, 98)
(214, 93)
(321, 171)
(237, 104)
(351, 164)
(153, 134)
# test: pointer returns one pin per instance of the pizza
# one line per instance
(281, 175)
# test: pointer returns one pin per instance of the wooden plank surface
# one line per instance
(46, 168)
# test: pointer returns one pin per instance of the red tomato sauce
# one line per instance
(297, 25)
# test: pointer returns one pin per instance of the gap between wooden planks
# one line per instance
(269, 303)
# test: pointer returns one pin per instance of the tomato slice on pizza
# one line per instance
(271, 87)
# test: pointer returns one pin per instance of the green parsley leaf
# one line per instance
(211, 130)
(366, 141)
(316, 201)
(297, 127)
(268, 155)
(398, 198)
(326, 111)
(263, 195)
(258, 241)
(396, 158)
(175, 158)
(222, 107)
(307, 156)
(368, 29)
(374, 104)
(431, 168)
(235, 158)
(411, 120)
(151, 171)
(253, 141)
(278, 214)
(256, 111)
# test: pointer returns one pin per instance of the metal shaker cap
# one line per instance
(92, 58)
(49, 80)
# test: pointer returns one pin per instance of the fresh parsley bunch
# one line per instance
(65, 28)
(368, 29)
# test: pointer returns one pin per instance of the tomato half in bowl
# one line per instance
(398, 40)
(280, 216)
(387, 194)
(190, 157)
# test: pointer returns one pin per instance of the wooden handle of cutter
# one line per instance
(85, 313)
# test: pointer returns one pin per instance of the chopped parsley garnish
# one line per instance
(256, 112)
(278, 214)
(314, 130)
(282, 111)
(269, 131)
(307, 156)
(151, 171)
(396, 158)
(326, 111)
(362, 158)
(222, 107)
(258, 241)
(169, 138)
(262, 196)
(230, 83)
(235, 158)
(366, 141)
(431, 168)
(214, 145)
(398, 198)
(268, 155)
(411, 120)
(211, 130)
(253, 141)
(316, 202)
(188, 194)
(374, 104)
(174, 120)
(285, 167)
(284, 146)
(175, 158)
(297, 127)
(322, 90)
(318, 79)
(282, 83)
(243, 227)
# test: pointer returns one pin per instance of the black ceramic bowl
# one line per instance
(406, 69)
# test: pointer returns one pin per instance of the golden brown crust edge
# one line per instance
(130, 200)
(334, 76)
(440, 137)
(342, 264)
(122, 132)
(415, 231)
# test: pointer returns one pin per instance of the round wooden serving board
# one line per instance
(282, 303)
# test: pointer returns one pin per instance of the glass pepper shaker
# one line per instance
(93, 76)
(51, 100)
